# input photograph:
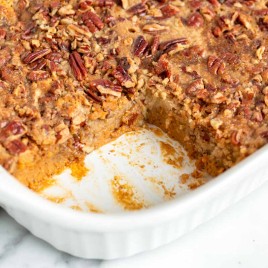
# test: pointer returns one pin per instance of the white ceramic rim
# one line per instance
(16, 196)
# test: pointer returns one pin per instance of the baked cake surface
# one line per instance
(76, 74)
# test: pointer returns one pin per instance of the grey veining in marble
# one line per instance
(19, 249)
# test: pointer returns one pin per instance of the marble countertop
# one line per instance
(236, 238)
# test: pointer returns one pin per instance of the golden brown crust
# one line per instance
(75, 74)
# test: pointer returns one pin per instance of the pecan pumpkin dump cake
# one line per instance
(76, 74)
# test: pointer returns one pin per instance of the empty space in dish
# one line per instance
(138, 170)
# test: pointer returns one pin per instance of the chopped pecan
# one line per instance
(196, 4)
(216, 2)
(103, 41)
(261, 12)
(218, 98)
(123, 62)
(140, 45)
(244, 20)
(169, 11)
(4, 85)
(154, 28)
(195, 20)
(221, 26)
(30, 29)
(31, 57)
(215, 65)
(194, 87)
(137, 9)
(264, 134)
(13, 128)
(155, 45)
(207, 13)
(162, 67)
(37, 75)
(78, 31)
(84, 5)
(122, 76)
(66, 10)
(227, 78)
(23, 4)
(92, 21)
(257, 116)
(235, 137)
(188, 71)
(103, 3)
(263, 23)
(230, 58)
(5, 56)
(77, 66)
(15, 147)
(2, 33)
(84, 49)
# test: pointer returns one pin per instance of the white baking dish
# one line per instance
(116, 235)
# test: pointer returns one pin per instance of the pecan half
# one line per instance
(140, 45)
(54, 56)
(38, 65)
(215, 65)
(137, 9)
(106, 87)
(34, 56)
(92, 21)
(122, 76)
(77, 66)
(169, 11)
(15, 147)
(171, 44)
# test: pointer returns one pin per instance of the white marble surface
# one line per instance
(236, 238)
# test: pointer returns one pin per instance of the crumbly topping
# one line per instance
(64, 64)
